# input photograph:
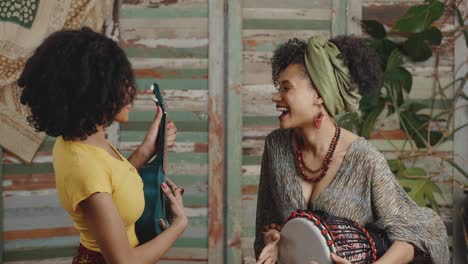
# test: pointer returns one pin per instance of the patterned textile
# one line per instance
(23, 26)
(364, 190)
(86, 256)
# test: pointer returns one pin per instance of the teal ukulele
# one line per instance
(153, 175)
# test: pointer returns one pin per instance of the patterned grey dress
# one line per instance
(364, 190)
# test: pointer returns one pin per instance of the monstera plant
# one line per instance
(426, 123)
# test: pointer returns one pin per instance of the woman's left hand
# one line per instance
(336, 259)
(148, 146)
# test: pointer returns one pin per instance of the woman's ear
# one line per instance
(318, 100)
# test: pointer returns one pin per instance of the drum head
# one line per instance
(301, 242)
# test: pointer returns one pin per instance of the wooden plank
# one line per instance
(354, 15)
(199, 240)
(180, 35)
(281, 4)
(389, 12)
(28, 169)
(176, 100)
(138, 136)
(172, 84)
(197, 24)
(165, 73)
(34, 254)
(68, 260)
(163, 3)
(233, 151)
(166, 52)
(151, 42)
(286, 13)
(339, 17)
(41, 233)
(460, 153)
(178, 63)
(176, 116)
(181, 126)
(291, 24)
(64, 260)
(184, 249)
(257, 70)
(164, 12)
(216, 139)
(261, 40)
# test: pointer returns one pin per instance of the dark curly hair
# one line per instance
(75, 81)
(362, 61)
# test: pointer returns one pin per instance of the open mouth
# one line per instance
(284, 111)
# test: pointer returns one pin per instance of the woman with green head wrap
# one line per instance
(311, 163)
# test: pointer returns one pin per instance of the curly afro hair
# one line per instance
(362, 61)
(76, 80)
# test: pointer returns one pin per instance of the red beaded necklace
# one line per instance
(326, 162)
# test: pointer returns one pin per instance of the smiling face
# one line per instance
(296, 99)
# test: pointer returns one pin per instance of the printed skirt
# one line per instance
(87, 256)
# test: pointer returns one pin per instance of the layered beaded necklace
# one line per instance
(326, 162)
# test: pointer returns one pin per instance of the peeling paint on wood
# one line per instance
(216, 132)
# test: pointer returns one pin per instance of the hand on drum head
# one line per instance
(269, 254)
(336, 259)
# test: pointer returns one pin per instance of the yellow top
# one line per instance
(81, 170)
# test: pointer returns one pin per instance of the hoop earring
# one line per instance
(318, 120)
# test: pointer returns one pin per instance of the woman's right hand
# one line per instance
(269, 254)
(174, 195)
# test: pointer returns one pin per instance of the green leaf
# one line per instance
(394, 90)
(374, 28)
(383, 47)
(416, 125)
(395, 60)
(416, 48)
(435, 136)
(420, 17)
(369, 121)
(401, 77)
(421, 191)
(396, 165)
(431, 35)
(369, 102)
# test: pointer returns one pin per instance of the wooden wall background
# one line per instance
(169, 40)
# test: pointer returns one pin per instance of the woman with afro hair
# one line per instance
(76, 84)
(310, 163)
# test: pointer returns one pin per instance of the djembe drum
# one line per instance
(313, 235)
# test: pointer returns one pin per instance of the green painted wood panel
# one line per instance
(233, 123)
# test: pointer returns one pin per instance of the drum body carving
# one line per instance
(308, 235)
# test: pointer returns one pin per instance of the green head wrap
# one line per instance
(330, 76)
